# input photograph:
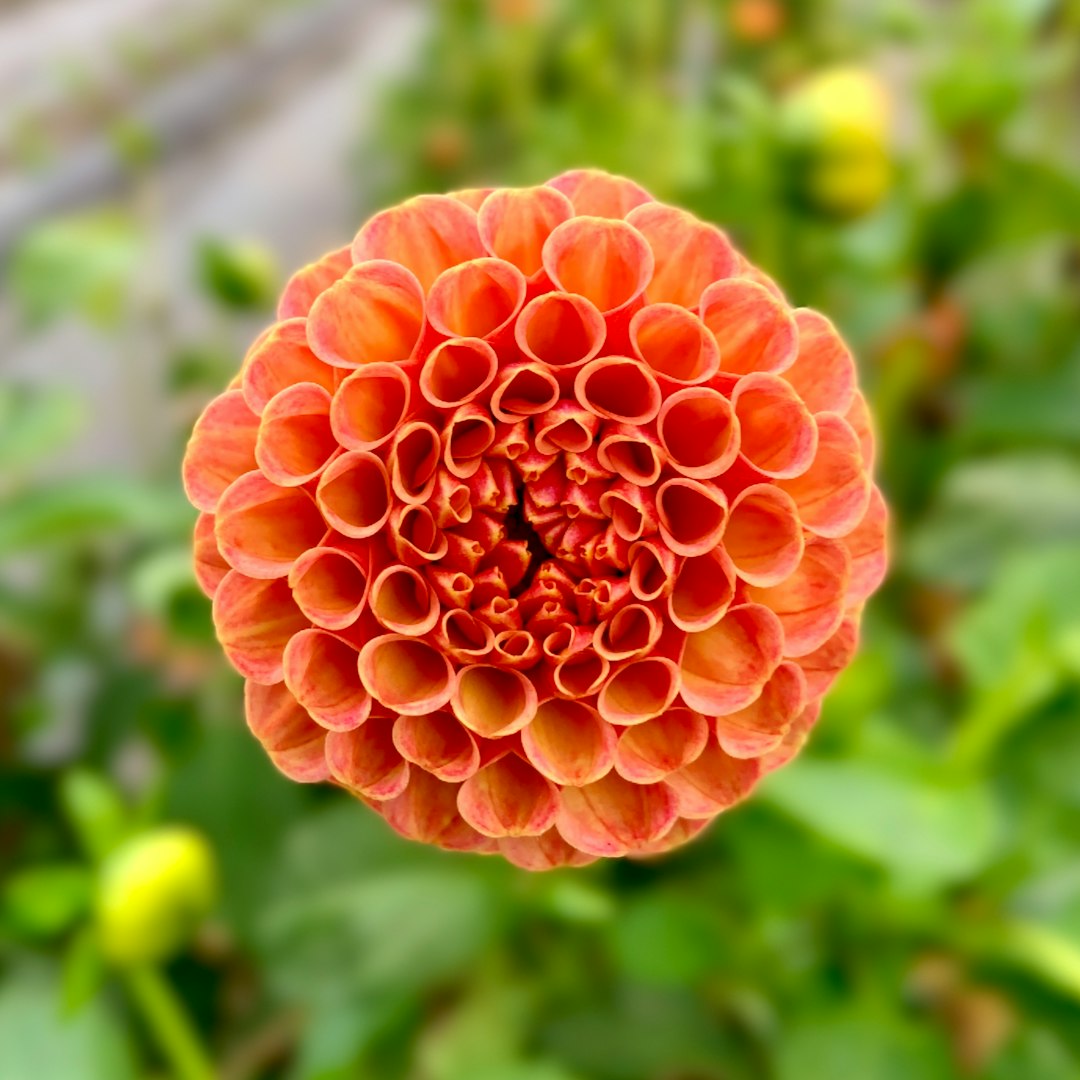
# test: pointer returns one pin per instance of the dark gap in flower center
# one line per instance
(517, 528)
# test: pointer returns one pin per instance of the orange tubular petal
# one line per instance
(868, 546)
(467, 435)
(725, 667)
(405, 674)
(631, 452)
(413, 461)
(458, 371)
(703, 590)
(354, 494)
(699, 432)
(546, 852)
(295, 441)
(652, 570)
(613, 817)
(675, 343)
(618, 388)
(712, 783)
(683, 831)
(754, 330)
(320, 670)
(568, 743)
(464, 636)
(515, 222)
(478, 299)
(374, 314)
(415, 537)
(508, 798)
(254, 620)
(691, 514)
(607, 262)
(760, 727)
(370, 405)
(438, 744)
(311, 281)
(292, 740)
(763, 537)
(562, 330)
(221, 448)
(366, 760)
(330, 585)
(858, 416)
(638, 691)
(599, 193)
(493, 701)
(777, 433)
(209, 566)
(524, 390)
(427, 811)
(565, 427)
(403, 603)
(262, 529)
(648, 752)
(824, 371)
(517, 649)
(630, 508)
(689, 253)
(833, 494)
(580, 674)
(794, 739)
(426, 234)
(631, 631)
(278, 360)
(824, 664)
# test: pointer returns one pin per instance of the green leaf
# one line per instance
(33, 422)
(95, 810)
(84, 970)
(45, 900)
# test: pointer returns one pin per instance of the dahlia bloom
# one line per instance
(538, 521)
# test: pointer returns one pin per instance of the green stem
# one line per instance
(170, 1025)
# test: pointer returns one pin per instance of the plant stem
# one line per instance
(169, 1024)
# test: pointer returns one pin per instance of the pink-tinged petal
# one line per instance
(777, 433)
(652, 570)
(607, 262)
(794, 739)
(630, 508)
(638, 691)
(690, 254)
(517, 649)
(580, 674)
(426, 234)
(824, 370)
(292, 740)
(311, 281)
(493, 701)
(618, 388)
(320, 670)
(868, 546)
(567, 426)
(221, 448)
(464, 636)
(255, 619)
(295, 441)
(427, 811)
(755, 331)
(632, 452)
(468, 433)
(414, 458)
(725, 667)
(524, 390)
(262, 529)
(370, 406)
(833, 494)
(562, 330)
(632, 631)
(648, 752)
(692, 515)
(712, 783)
(478, 299)
(438, 744)
(365, 759)
(354, 494)
(402, 601)
(508, 798)
(675, 344)
(760, 727)
(763, 537)
(613, 817)
(546, 852)
(279, 359)
(472, 197)
(703, 590)
(682, 832)
(458, 371)
(858, 416)
(599, 193)
(759, 277)
(330, 584)
(415, 537)
(405, 674)
(515, 222)
(824, 664)
(699, 432)
(569, 743)
(209, 565)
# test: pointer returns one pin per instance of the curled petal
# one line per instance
(402, 601)
(763, 537)
(221, 448)
(466, 437)
(515, 222)
(415, 536)
(631, 631)
(703, 590)
(648, 752)
(682, 832)
(652, 570)
(320, 670)
(858, 416)
(580, 674)
(370, 405)
(524, 390)
(612, 816)
(279, 359)
(295, 441)
(292, 740)
(509, 798)
(794, 739)
(209, 565)
(464, 636)
(567, 426)
(450, 503)
(365, 760)
(760, 727)
(777, 434)
(477, 299)
(824, 664)
(712, 782)
(699, 432)
(427, 811)
(374, 314)
(823, 373)
(755, 330)
(631, 510)
(618, 388)
(631, 452)
(311, 281)
(568, 742)
(675, 343)
(867, 545)
(354, 494)
(458, 371)
(493, 701)
(254, 620)
(599, 193)
(545, 852)
(330, 585)
(691, 514)
(414, 457)
(406, 674)
(563, 330)
(517, 649)
(438, 744)
(639, 690)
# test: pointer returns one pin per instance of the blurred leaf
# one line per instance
(1017, 409)
(1041, 951)
(45, 900)
(238, 274)
(95, 810)
(84, 970)
(33, 422)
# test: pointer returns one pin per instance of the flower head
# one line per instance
(539, 521)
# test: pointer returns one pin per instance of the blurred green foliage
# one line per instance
(903, 901)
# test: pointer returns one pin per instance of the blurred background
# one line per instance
(902, 902)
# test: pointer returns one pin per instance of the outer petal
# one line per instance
(320, 670)
(753, 328)
(599, 193)
(612, 816)
(545, 852)
(293, 741)
(569, 743)
(427, 811)
(712, 783)
(365, 759)
(762, 725)
(330, 583)
(777, 433)
(515, 222)
(370, 405)
(824, 371)
(254, 621)
(649, 752)
(868, 546)
(295, 441)
(824, 664)
(477, 299)
(280, 358)
(311, 281)
(438, 744)
(493, 701)
(221, 448)
(639, 690)
(763, 537)
(209, 565)
(508, 798)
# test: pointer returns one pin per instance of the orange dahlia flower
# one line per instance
(538, 521)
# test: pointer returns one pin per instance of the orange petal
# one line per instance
(330, 585)
(824, 664)
(437, 743)
(868, 546)
(682, 832)
(320, 670)
(619, 388)
(631, 452)
(254, 620)
(508, 798)
(568, 742)
(515, 222)
(777, 434)
(703, 590)
(221, 448)
(794, 739)
(600, 193)
(406, 674)
(725, 667)
(293, 741)
(311, 281)
(464, 636)
(824, 370)
(690, 254)
(639, 690)
(414, 458)
(524, 390)
(468, 433)
(692, 515)
(354, 494)
(546, 852)
(580, 674)
(367, 761)
(374, 314)
(612, 816)
(414, 535)
(763, 537)
(493, 701)
(755, 331)
(427, 811)
(699, 432)
(370, 405)
(652, 570)
(648, 752)
(457, 371)
(209, 566)
(567, 426)
(675, 343)
(280, 358)
(516, 649)
(712, 783)
(426, 234)
(295, 441)
(761, 726)
(471, 197)
(858, 416)
(477, 299)
(563, 330)
(631, 631)
(402, 601)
